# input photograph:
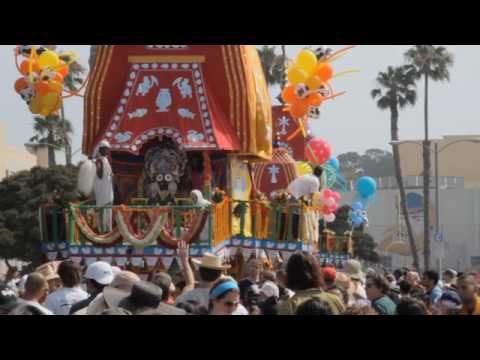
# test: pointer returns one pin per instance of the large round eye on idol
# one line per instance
(168, 178)
(160, 178)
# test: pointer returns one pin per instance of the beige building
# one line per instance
(13, 159)
(457, 158)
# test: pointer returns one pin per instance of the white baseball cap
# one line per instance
(101, 272)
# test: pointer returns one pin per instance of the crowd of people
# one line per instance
(301, 287)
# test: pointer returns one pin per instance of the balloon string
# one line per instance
(349, 71)
(334, 96)
(32, 57)
(335, 58)
(338, 52)
(17, 53)
(77, 92)
(310, 150)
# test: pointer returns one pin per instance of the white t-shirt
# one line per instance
(61, 300)
(202, 296)
(304, 186)
(20, 309)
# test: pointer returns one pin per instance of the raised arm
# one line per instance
(187, 269)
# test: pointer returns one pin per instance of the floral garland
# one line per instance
(153, 231)
(98, 239)
(198, 221)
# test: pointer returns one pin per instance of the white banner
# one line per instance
(151, 261)
(167, 261)
(121, 261)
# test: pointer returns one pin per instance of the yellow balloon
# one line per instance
(307, 61)
(304, 168)
(48, 59)
(313, 83)
(296, 76)
(50, 103)
(35, 105)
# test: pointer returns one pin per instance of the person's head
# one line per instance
(430, 279)
(399, 274)
(98, 275)
(329, 275)
(318, 171)
(314, 306)
(70, 273)
(269, 289)
(36, 288)
(359, 310)
(467, 288)
(209, 275)
(224, 297)
(390, 278)
(193, 307)
(49, 272)
(303, 272)
(449, 304)
(282, 277)
(413, 277)
(405, 287)
(377, 286)
(449, 275)
(254, 269)
(211, 267)
(411, 306)
(164, 281)
(268, 276)
(144, 296)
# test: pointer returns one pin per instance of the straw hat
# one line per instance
(353, 268)
(49, 270)
(210, 261)
(121, 284)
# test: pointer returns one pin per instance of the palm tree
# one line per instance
(429, 62)
(272, 64)
(55, 132)
(397, 91)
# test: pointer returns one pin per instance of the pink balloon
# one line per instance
(318, 151)
(327, 193)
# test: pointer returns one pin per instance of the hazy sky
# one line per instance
(352, 122)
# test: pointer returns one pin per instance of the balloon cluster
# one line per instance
(328, 201)
(309, 82)
(43, 72)
(318, 151)
(358, 215)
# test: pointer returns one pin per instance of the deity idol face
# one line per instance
(164, 168)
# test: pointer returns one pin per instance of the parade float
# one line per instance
(180, 118)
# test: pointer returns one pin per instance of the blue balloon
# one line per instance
(358, 206)
(333, 162)
(366, 187)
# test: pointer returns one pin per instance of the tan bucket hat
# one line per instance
(210, 261)
(49, 270)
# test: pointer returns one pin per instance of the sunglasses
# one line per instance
(231, 304)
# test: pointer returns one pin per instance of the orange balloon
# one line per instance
(55, 87)
(289, 95)
(20, 85)
(299, 109)
(42, 87)
(25, 66)
(314, 99)
(63, 70)
(58, 78)
(324, 71)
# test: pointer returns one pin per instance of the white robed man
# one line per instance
(103, 187)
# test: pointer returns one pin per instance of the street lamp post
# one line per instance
(437, 152)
